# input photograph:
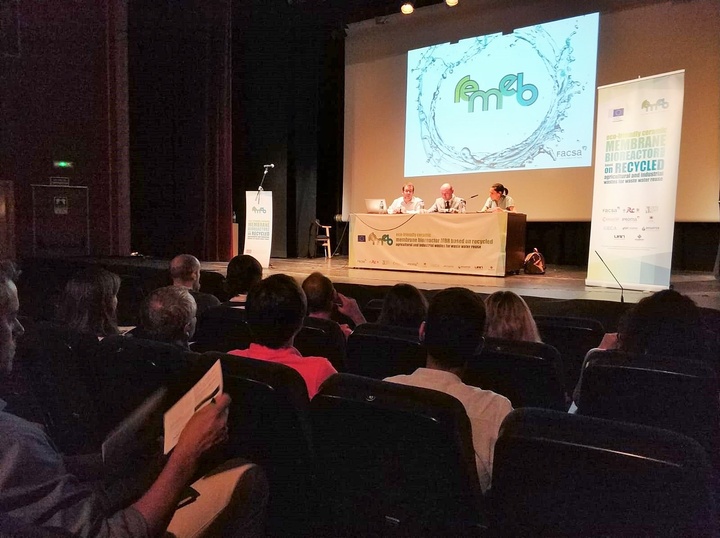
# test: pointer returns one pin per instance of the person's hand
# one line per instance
(609, 341)
(349, 307)
(206, 429)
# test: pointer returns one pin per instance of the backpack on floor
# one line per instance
(534, 263)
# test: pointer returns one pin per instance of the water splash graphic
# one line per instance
(434, 76)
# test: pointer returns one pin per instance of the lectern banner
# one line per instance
(637, 147)
(258, 226)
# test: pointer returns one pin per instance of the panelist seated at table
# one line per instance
(448, 202)
(498, 200)
(408, 202)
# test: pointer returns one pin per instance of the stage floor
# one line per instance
(559, 282)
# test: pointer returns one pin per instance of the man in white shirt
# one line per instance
(408, 202)
(452, 333)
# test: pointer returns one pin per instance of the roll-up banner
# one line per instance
(258, 226)
(637, 147)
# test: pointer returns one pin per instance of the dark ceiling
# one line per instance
(350, 11)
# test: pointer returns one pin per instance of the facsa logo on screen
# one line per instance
(569, 153)
(469, 90)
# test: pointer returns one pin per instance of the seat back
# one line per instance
(556, 474)
(53, 358)
(392, 456)
(529, 374)
(269, 424)
(573, 338)
(214, 283)
(372, 309)
(664, 392)
(322, 338)
(128, 370)
(381, 351)
(222, 328)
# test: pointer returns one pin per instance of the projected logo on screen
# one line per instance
(469, 90)
(503, 102)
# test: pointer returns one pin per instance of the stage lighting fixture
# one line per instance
(451, 3)
(407, 8)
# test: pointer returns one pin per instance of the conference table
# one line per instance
(488, 244)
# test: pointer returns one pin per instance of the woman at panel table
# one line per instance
(499, 200)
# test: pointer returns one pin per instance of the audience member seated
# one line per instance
(323, 301)
(509, 318)
(89, 302)
(168, 315)
(404, 306)
(665, 324)
(275, 311)
(37, 489)
(185, 272)
(223, 328)
(452, 333)
(243, 272)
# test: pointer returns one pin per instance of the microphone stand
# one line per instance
(260, 187)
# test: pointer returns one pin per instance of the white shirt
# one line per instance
(415, 205)
(503, 203)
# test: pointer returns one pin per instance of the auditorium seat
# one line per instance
(393, 460)
(127, 370)
(573, 338)
(664, 392)
(372, 310)
(529, 374)
(53, 359)
(213, 283)
(557, 474)
(322, 338)
(222, 328)
(269, 424)
(381, 351)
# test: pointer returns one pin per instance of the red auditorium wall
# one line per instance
(63, 96)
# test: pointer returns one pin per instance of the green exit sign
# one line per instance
(63, 164)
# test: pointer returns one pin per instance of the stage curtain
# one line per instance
(217, 240)
(181, 127)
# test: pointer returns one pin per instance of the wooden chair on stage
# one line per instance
(323, 238)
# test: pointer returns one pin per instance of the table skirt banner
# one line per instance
(470, 243)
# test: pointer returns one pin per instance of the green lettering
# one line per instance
(464, 88)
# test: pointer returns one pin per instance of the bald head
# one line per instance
(185, 271)
(320, 292)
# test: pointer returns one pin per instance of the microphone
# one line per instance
(268, 166)
(622, 290)
(473, 196)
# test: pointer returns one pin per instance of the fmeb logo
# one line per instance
(661, 103)
(469, 90)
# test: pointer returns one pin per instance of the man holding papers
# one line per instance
(37, 490)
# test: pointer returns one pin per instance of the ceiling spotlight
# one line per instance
(451, 3)
(407, 8)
